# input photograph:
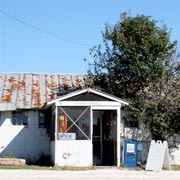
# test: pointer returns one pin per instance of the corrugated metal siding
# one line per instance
(27, 90)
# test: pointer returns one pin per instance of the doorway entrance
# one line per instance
(105, 137)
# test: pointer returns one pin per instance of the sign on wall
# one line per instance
(66, 136)
(158, 156)
(130, 148)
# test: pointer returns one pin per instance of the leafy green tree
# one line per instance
(162, 107)
(136, 62)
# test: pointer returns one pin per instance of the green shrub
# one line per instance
(10, 155)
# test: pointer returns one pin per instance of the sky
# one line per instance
(54, 36)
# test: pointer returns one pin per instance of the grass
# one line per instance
(34, 167)
(143, 167)
(10, 155)
(72, 168)
(176, 167)
(137, 168)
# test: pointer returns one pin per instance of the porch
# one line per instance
(86, 129)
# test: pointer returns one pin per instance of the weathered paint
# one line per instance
(79, 155)
(10, 88)
(24, 91)
(31, 90)
(77, 81)
(36, 102)
(52, 86)
(175, 156)
(24, 142)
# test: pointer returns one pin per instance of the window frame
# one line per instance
(131, 123)
(41, 125)
(21, 118)
(74, 124)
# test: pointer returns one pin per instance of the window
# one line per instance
(45, 119)
(131, 123)
(74, 122)
(62, 122)
(42, 122)
(20, 118)
(130, 119)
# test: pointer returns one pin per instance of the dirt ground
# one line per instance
(99, 174)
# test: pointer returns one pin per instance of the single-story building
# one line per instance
(50, 114)
(58, 116)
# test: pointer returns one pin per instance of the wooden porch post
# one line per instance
(91, 131)
(55, 133)
(118, 136)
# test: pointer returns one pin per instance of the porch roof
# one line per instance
(87, 90)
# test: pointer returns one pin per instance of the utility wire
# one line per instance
(42, 30)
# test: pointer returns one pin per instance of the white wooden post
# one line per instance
(55, 133)
(118, 136)
(91, 131)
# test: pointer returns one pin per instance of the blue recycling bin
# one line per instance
(130, 153)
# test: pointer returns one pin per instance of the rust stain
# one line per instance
(35, 91)
(33, 97)
(22, 84)
(78, 83)
(11, 80)
(50, 96)
(65, 86)
(21, 91)
(51, 85)
(36, 96)
(7, 97)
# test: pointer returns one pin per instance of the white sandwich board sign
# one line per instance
(158, 156)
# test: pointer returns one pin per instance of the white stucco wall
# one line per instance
(73, 153)
(24, 142)
(175, 156)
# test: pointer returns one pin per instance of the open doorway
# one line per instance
(105, 137)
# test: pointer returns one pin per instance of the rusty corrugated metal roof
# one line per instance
(32, 90)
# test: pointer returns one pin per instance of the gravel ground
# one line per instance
(100, 174)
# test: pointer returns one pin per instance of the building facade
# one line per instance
(55, 115)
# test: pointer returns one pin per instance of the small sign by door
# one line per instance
(66, 136)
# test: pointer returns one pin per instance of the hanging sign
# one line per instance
(66, 136)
